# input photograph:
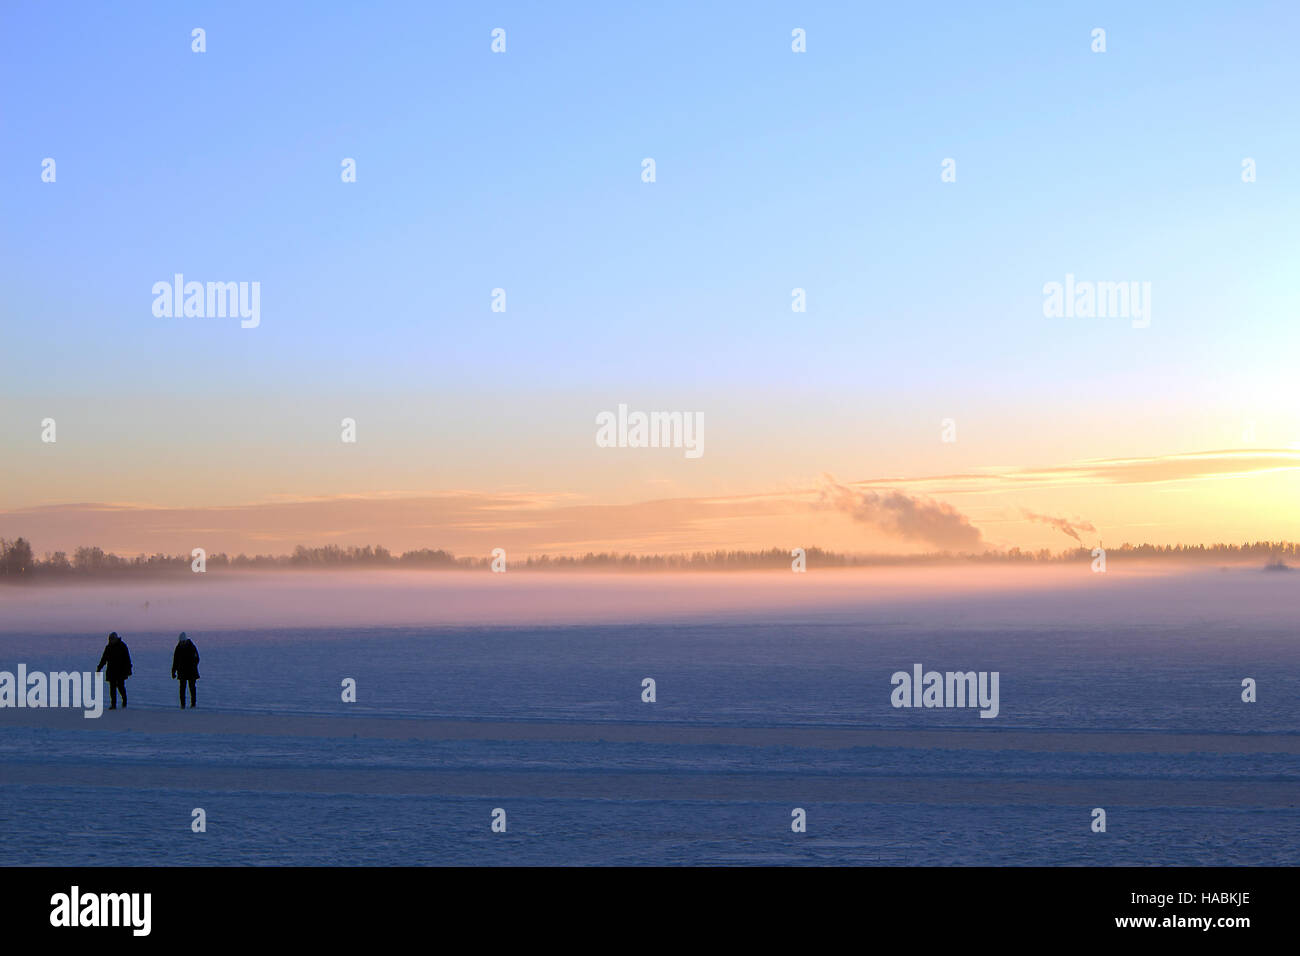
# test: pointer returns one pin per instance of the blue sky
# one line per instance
(775, 170)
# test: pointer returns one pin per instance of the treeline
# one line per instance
(18, 563)
(16, 559)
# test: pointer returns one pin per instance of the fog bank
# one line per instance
(964, 596)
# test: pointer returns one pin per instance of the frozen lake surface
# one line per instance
(1128, 699)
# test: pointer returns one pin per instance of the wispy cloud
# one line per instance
(1164, 468)
(884, 514)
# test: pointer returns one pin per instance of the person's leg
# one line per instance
(193, 693)
(112, 695)
(122, 687)
(181, 685)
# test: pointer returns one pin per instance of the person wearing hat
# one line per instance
(117, 659)
(185, 667)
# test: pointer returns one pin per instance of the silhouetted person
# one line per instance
(118, 661)
(185, 667)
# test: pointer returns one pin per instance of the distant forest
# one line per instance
(17, 561)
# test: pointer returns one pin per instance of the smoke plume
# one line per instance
(900, 515)
(1072, 528)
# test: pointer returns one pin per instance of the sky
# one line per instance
(523, 171)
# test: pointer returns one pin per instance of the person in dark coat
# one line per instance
(117, 659)
(185, 667)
